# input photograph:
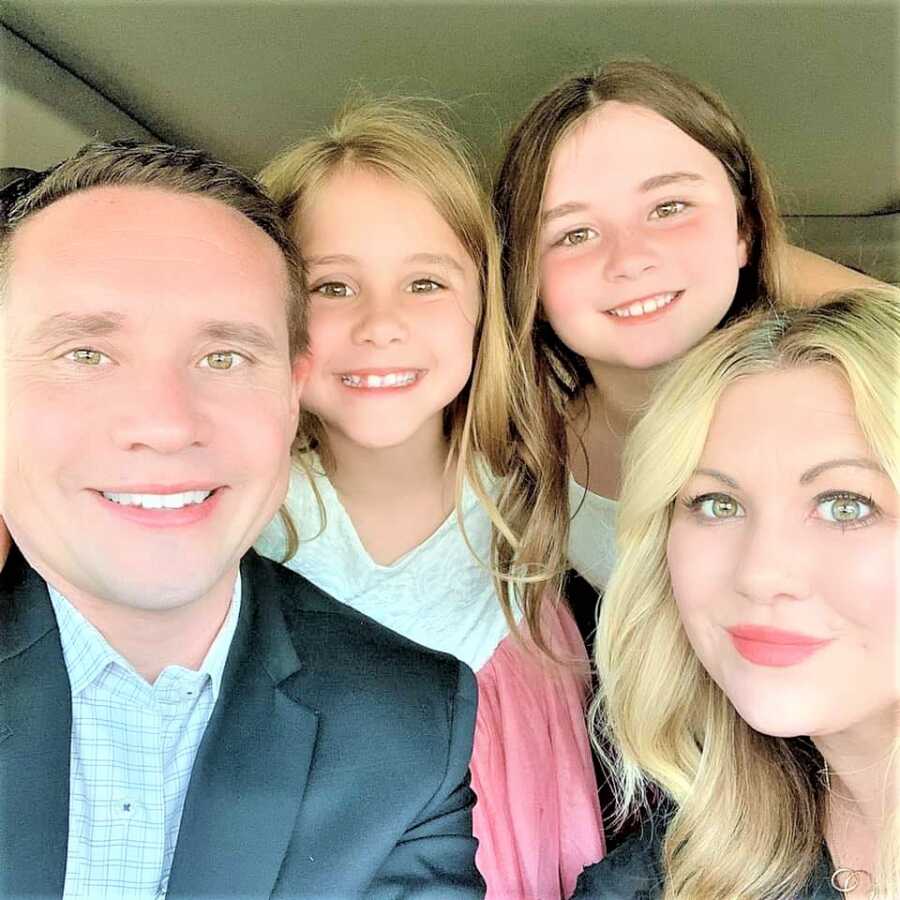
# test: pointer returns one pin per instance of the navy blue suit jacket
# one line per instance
(335, 764)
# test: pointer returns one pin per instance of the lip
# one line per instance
(644, 317)
(766, 646)
(163, 518)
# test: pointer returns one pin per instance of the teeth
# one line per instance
(392, 379)
(642, 307)
(158, 501)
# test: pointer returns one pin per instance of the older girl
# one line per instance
(414, 495)
(636, 219)
(749, 637)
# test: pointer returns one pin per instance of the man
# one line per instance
(178, 717)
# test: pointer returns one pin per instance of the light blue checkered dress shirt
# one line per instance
(132, 751)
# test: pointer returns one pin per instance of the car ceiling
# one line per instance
(816, 84)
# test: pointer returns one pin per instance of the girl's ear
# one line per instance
(300, 368)
(743, 255)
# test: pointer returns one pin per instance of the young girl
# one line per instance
(406, 493)
(636, 219)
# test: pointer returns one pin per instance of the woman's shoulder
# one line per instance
(632, 871)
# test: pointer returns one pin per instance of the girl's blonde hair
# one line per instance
(401, 141)
(749, 808)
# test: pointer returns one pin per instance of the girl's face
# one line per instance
(640, 249)
(394, 301)
(783, 554)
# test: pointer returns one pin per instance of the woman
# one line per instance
(748, 640)
(636, 219)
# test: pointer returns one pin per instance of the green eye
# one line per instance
(576, 236)
(845, 509)
(86, 357)
(222, 360)
(716, 506)
(668, 209)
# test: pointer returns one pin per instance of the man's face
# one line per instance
(151, 398)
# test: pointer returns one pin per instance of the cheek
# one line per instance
(708, 247)
(566, 286)
(858, 577)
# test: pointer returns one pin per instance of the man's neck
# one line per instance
(152, 639)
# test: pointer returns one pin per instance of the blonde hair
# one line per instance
(749, 808)
(400, 141)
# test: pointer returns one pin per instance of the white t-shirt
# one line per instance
(592, 533)
(437, 594)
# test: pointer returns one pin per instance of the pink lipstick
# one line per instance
(766, 646)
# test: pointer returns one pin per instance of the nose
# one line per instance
(161, 412)
(380, 322)
(772, 566)
(629, 254)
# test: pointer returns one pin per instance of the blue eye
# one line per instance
(668, 209)
(715, 506)
(845, 508)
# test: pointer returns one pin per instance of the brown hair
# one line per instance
(519, 191)
(400, 141)
(176, 169)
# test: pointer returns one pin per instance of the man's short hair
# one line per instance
(177, 169)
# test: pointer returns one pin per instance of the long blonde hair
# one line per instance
(402, 141)
(749, 808)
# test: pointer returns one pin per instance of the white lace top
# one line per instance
(437, 594)
(592, 532)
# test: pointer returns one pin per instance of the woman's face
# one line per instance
(783, 554)
(640, 250)
(394, 301)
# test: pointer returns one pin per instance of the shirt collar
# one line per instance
(87, 653)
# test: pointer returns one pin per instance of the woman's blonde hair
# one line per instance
(749, 808)
(400, 140)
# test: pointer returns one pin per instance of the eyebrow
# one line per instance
(61, 326)
(68, 326)
(557, 212)
(432, 259)
(658, 181)
(809, 475)
(859, 462)
(719, 476)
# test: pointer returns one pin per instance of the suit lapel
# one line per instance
(35, 734)
(252, 766)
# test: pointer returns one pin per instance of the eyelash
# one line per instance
(831, 496)
(70, 355)
(682, 204)
(565, 240)
(694, 505)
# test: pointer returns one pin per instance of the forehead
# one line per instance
(375, 209)
(624, 143)
(783, 420)
(114, 243)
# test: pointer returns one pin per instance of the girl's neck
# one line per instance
(396, 497)
(601, 419)
(618, 394)
(862, 791)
